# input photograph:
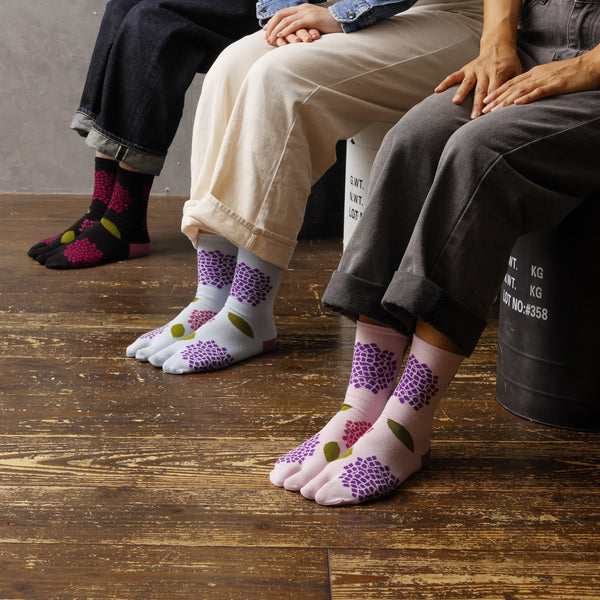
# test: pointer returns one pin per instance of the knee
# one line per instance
(470, 143)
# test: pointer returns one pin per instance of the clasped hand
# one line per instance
(303, 23)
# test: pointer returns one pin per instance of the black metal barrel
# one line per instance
(548, 367)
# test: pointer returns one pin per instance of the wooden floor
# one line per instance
(118, 481)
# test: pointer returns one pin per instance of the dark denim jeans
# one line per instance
(146, 56)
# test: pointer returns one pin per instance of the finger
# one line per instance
(278, 22)
(480, 92)
(505, 99)
(315, 33)
(464, 89)
(274, 21)
(288, 25)
(304, 35)
(451, 80)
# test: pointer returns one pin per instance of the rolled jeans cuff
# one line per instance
(137, 159)
(352, 296)
(425, 300)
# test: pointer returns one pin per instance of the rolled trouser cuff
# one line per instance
(422, 298)
(352, 296)
(136, 158)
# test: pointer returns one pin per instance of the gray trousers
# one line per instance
(449, 196)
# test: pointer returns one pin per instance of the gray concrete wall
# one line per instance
(45, 47)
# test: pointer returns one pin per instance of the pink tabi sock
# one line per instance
(398, 443)
(377, 357)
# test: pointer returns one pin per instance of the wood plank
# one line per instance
(120, 481)
(434, 574)
(152, 572)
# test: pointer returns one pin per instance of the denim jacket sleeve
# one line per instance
(358, 14)
(265, 9)
(351, 14)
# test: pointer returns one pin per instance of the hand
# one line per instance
(302, 35)
(492, 68)
(303, 23)
(562, 77)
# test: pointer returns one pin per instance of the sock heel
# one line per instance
(269, 345)
(137, 250)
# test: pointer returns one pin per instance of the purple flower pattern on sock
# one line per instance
(152, 334)
(206, 356)
(250, 285)
(418, 384)
(215, 268)
(83, 252)
(199, 317)
(372, 368)
(302, 452)
(368, 479)
(354, 430)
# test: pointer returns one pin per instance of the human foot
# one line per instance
(398, 443)
(377, 357)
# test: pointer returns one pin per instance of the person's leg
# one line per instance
(253, 165)
(121, 233)
(398, 444)
(289, 103)
(146, 54)
(105, 176)
(518, 170)
(154, 56)
(377, 359)
(498, 177)
(244, 327)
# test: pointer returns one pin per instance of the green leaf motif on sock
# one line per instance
(402, 434)
(347, 453)
(191, 336)
(240, 324)
(177, 330)
(110, 227)
(345, 406)
(331, 450)
(67, 236)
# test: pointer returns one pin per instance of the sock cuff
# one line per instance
(132, 179)
(211, 241)
(108, 165)
(368, 331)
(420, 346)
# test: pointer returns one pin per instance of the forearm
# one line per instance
(500, 23)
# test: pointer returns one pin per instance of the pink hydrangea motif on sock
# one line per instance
(398, 443)
(377, 356)
(82, 252)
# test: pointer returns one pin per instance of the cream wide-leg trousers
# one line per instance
(269, 118)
